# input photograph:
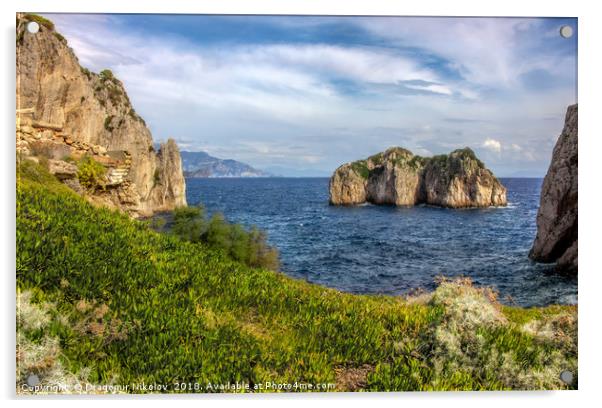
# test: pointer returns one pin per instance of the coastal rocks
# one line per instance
(556, 238)
(169, 182)
(347, 186)
(62, 170)
(65, 110)
(398, 177)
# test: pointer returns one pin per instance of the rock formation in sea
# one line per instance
(398, 177)
(66, 112)
(556, 239)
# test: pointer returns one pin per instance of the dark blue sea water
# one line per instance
(381, 249)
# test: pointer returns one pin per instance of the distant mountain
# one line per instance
(201, 165)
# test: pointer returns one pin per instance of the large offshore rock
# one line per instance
(398, 177)
(556, 238)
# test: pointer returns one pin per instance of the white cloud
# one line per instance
(487, 52)
(435, 88)
(493, 145)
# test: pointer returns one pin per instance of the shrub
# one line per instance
(376, 159)
(91, 174)
(39, 353)
(115, 94)
(189, 223)
(106, 75)
(249, 247)
(86, 72)
(361, 168)
(108, 123)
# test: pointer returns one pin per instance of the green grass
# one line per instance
(112, 301)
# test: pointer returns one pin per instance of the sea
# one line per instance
(371, 249)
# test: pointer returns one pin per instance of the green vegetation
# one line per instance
(467, 154)
(68, 158)
(103, 299)
(376, 159)
(115, 94)
(417, 162)
(108, 123)
(113, 89)
(106, 75)
(40, 20)
(86, 72)
(360, 167)
(455, 161)
(60, 37)
(91, 174)
(134, 115)
(249, 247)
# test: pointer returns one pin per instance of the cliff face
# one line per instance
(556, 238)
(64, 110)
(398, 177)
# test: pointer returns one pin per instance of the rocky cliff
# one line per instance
(66, 113)
(556, 239)
(398, 177)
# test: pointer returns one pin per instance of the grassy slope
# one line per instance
(130, 305)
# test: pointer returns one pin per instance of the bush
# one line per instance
(108, 123)
(115, 94)
(91, 174)
(249, 247)
(360, 167)
(189, 223)
(106, 75)
(86, 72)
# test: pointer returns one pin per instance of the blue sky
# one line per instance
(299, 95)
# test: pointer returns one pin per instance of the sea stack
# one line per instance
(556, 239)
(66, 113)
(398, 177)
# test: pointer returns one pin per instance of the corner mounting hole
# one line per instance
(33, 27)
(566, 31)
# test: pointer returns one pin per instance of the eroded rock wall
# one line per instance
(556, 239)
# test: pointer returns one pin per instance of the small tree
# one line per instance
(218, 232)
(189, 223)
(91, 174)
(106, 75)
